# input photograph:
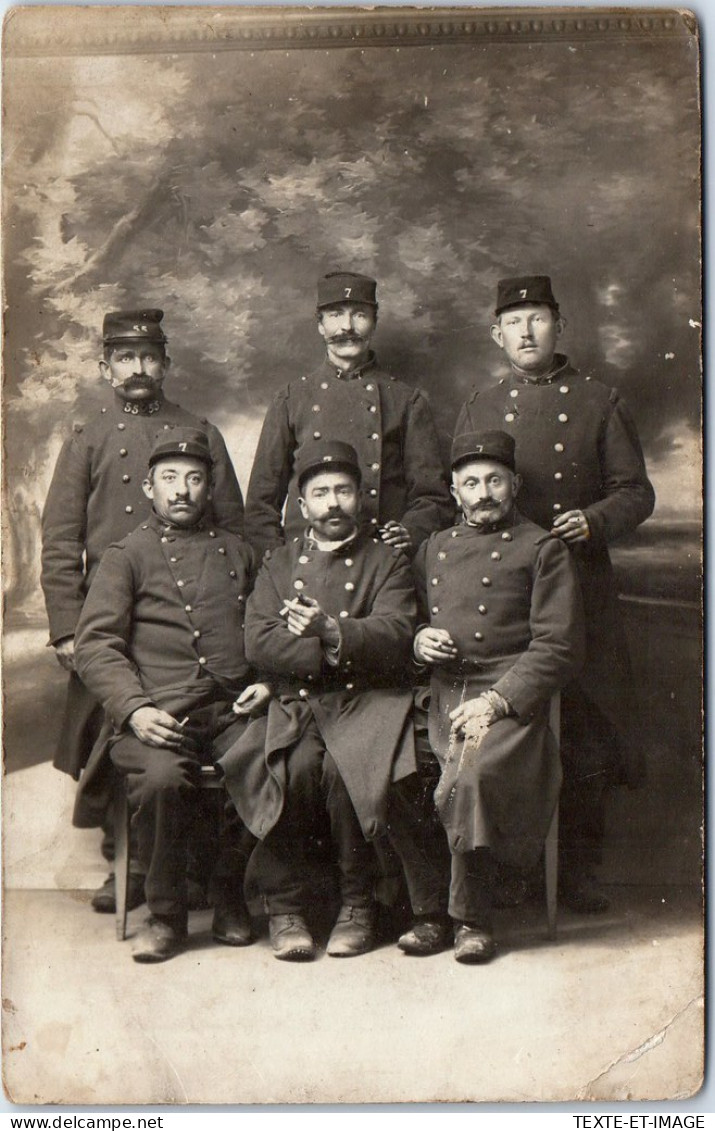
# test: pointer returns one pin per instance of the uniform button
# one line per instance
(122, 452)
(375, 466)
(303, 693)
(189, 609)
(496, 556)
(563, 417)
(316, 408)
(126, 478)
(372, 408)
(349, 585)
(509, 418)
(557, 506)
(121, 427)
(454, 533)
(373, 491)
(212, 533)
(348, 562)
(232, 573)
(486, 581)
(202, 659)
(435, 608)
(375, 436)
(167, 427)
(374, 521)
(129, 510)
(558, 475)
(349, 686)
(323, 384)
(482, 609)
(181, 584)
(558, 447)
(303, 559)
(564, 389)
(316, 435)
(173, 559)
(240, 598)
(370, 387)
(145, 527)
(478, 636)
(506, 536)
(164, 538)
(298, 584)
(343, 614)
(196, 631)
(222, 549)
(309, 678)
(514, 393)
(104, 410)
(441, 555)
(435, 581)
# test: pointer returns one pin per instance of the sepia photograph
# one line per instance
(352, 556)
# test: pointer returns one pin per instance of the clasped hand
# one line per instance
(434, 646)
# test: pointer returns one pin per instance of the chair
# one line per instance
(209, 779)
(551, 844)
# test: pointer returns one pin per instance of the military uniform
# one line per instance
(337, 734)
(578, 448)
(162, 626)
(390, 426)
(95, 499)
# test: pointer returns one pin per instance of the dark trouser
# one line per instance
(436, 888)
(161, 785)
(315, 795)
(589, 756)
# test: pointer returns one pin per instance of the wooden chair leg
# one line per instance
(121, 857)
(551, 868)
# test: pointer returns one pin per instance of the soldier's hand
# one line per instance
(474, 712)
(434, 646)
(156, 728)
(305, 617)
(64, 651)
(252, 699)
(571, 526)
(395, 534)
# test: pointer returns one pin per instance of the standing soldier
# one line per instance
(584, 480)
(96, 498)
(388, 423)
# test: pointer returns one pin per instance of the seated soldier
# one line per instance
(504, 632)
(160, 645)
(331, 619)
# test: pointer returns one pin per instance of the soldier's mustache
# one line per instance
(347, 338)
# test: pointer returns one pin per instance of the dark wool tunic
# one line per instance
(510, 600)
(362, 705)
(390, 426)
(577, 448)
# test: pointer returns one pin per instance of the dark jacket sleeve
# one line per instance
(270, 477)
(102, 641)
(381, 642)
(628, 496)
(270, 646)
(429, 504)
(64, 531)
(227, 501)
(557, 645)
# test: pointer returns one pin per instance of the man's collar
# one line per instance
(139, 408)
(559, 363)
(163, 527)
(329, 547)
(367, 365)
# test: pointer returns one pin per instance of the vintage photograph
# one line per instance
(352, 529)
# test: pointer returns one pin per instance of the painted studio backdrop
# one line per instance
(217, 175)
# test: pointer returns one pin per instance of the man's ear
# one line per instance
(560, 326)
(497, 336)
(303, 508)
(148, 488)
(105, 370)
(453, 491)
(516, 484)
